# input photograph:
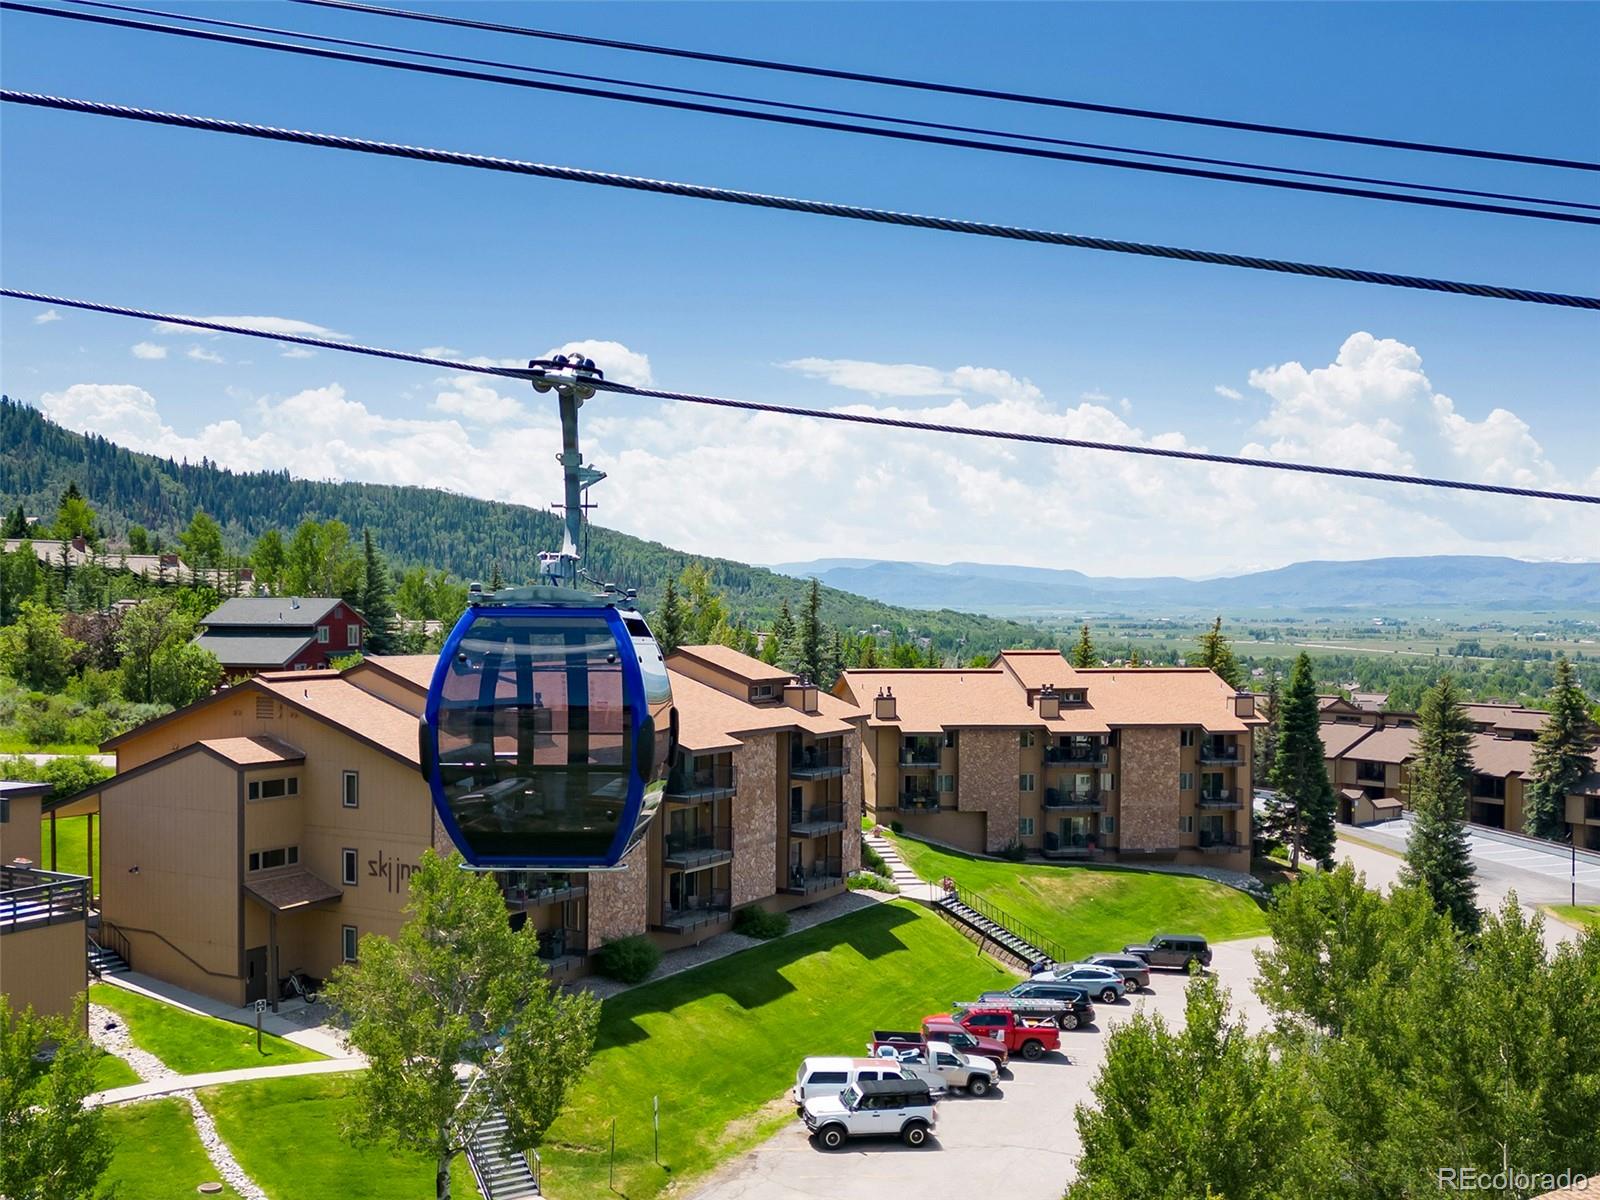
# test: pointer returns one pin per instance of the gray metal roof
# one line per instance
(254, 650)
(284, 611)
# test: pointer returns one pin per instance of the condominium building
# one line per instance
(42, 913)
(1138, 764)
(265, 828)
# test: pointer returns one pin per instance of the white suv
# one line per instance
(901, 1108)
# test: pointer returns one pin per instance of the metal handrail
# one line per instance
(1005, 920)
(816, 813)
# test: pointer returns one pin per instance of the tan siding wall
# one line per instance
(964, 830)
(755, 819)
(44, 968)
(19, 836)
(987, 782)
(1148, 789)
(370, 679)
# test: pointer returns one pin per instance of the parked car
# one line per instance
(942, 1065)
(942, 1029)
(829, 1075)
(1031, 1038)
(1105, 983)
(1052, 993)
(1180, 950)
(1134, 970)
(901, 1108)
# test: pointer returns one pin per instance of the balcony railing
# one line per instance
(30, 898)
(1220, 756)
(923, 756)
(819, 876)
(816, 820)
(1070, 799)
(1221, 798)
(696, 911)
(698, 848)
(920, 801)
(1083, 756)
(530, 889)
(562, 945)
(816, 762)
(1071, 845)
(1220, 843)
(705, 783)
(1370, 773)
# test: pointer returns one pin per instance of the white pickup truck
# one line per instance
(943, 1066)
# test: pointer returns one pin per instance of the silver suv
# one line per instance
(901, 1108)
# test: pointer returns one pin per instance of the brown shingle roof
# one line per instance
(930, 701)
(1500, 756)
(336, 700)
(711, 720)
(292, 889)
(1162, 696)
(1338, 738)
(1391, 745)
(253, 751)
(415, 670)
(730, 662)
(1507, 716)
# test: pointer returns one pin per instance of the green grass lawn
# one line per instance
(720, 1044)
(112, 1072)
(1576, 914)
(16, 745)
(1088, 910)
(190, 1044)
(72, 847)
(286, 1135)
(158, 1153)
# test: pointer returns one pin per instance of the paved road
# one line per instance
(1539, 874)
(1031, 1116)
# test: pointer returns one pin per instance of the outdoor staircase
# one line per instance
(104, 961)
(991, 930)
(904, 877)
(502, 1173)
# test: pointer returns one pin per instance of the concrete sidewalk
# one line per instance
(321, 1037)
(182, 1083)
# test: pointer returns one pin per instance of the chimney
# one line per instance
(1049, 703)
(883, 706)
(79, 544)
(801, 694)
(1244, 704)
(294, 601)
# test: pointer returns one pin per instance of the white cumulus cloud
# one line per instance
(201, 354)
(288, 325)
(149, 350)
(46, 317)
(1227, 393)
(617, 361)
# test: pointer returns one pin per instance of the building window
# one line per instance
(1108, 781)
(294, 785)
(347, 939)
(761, 691)
(1185, 737)
(950, 739)
(1024, 826)
(5, 810)
(1186, 781)
(353, 635)
(944, 783)
(271, 789)
(278, 856)
(352, 789)
(255, 860)
(1108, 824)
(1186, 824)
(322, 634)
(301, 667)
(347, 867)
(1025, 782)
(1025, 740)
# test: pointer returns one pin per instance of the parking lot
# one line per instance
(1021, 1140)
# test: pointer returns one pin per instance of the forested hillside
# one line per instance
(416, 527)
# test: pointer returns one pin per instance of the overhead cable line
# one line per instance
(901, 135)
(623, 389)
(958, 89)
(823, 110)
(850, 212)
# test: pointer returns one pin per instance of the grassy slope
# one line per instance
(720, 1044)
(286, 1135)
(158, 1153)
(190, 1044)
(1577, 914)
(1093, 909)
(72, 847)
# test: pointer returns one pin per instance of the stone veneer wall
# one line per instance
(854, 790)
(619, 900)
(755, 819)
(987, 782)
(1149, 790)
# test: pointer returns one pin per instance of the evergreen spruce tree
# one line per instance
(376, 601)
(1217, 654)
(811, 648)
(836, 659)
(1437, 853)
(670, 619)
(1266, 740)
(16, 524)
(1301, 811)
(1083, 654)
(1133, 658)
(495, 580)
(1563, 754)
(779, 649)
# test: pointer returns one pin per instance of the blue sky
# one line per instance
(796, 309)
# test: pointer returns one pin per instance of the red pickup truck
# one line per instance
(940, 1029)
(1029, 1038)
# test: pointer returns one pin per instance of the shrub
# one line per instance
(896, 827)
(1016, 852)
(872, 861)
(866, 881)
(629, 959)
(759, 923)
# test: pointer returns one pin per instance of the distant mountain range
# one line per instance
(1370, 585)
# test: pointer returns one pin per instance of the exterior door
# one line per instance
(255, 975)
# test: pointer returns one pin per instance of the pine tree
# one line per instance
(1133, 658)
(1563, 754)
(811, 650)
(1267, 735)
(1217, 654)
(1301, 810)
(1438, 856)
(1083, 654)
(670, 619)
(836, 659)
(495, 580)
(16, 525)
(780, 642)
(376, 602)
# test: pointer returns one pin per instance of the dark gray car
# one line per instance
(1179, 950)
(1134, 970)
